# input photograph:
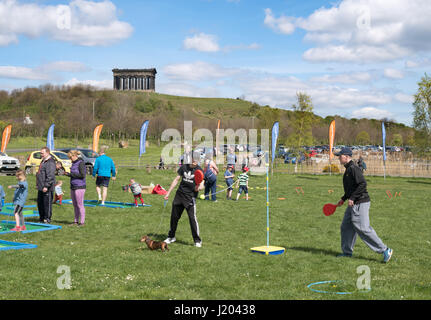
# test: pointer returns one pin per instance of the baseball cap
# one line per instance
(344, 151)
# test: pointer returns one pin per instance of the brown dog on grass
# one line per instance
(154, 245)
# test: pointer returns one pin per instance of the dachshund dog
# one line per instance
(154, 245)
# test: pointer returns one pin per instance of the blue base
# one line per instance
(43, 227)
(16, 245)
(108, 204)
(9, 211)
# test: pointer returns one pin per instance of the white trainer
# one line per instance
(198, 244)
(170, 240)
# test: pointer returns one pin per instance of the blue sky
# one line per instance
(355, 58)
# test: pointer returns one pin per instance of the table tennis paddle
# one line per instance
(329, 209)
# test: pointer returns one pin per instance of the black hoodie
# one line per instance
(355, 186)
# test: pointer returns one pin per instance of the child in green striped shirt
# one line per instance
(243, 183)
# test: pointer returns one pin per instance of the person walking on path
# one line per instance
(104, 167)
(356, 219)
(45, 183)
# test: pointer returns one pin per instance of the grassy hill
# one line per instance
(77, 110)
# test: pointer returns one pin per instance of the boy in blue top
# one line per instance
(19, 199)
(228, 175)
(104, 167)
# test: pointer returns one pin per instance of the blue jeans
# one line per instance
(211, 186)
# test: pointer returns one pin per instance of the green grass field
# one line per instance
(107, 261)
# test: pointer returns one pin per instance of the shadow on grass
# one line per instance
(420, 182)
(331, 253)
(308, 178)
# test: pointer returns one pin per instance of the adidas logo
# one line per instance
(189, 177)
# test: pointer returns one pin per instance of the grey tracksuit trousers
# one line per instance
(356, 222)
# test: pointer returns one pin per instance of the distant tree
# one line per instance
(397, 139)
(422, 114)
(363, 138)
(302, 123)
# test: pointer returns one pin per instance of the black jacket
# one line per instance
(45, 176)
(355, 186)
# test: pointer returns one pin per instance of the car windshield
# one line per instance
(3, 154)
(89, 153)
(61, 155)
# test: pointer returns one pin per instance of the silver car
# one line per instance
(88, 155)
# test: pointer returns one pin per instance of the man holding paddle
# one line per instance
(356, 217)
(191, 176)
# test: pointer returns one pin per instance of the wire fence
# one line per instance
(400, 164)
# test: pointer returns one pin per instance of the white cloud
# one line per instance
(284, 25)
(252, 46)
(22, 73)
(64, 66)
(202, 42)
(187, 90)
(281, 91)
(197, 71)
(393, 73)
(344, 78)
(404, 98)
(100, 84)
(362, 30)
(372, 113)
(82, 22)
(44, 72)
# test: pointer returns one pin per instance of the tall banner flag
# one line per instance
(331, 138)
(384, 141)
(96, 135)
(217, 137)
(275, 130)
(384, 149)
(144, 129)
(6, 137)
(50, 138)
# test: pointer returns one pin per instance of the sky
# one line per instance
(355, 58)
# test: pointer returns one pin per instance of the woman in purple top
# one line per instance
(77, 186)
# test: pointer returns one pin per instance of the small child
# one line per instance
(136, 189)
(2, 196)
(228, 175)
(19, 199)
(58, 192)
(243, 183)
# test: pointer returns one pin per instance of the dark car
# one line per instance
(292, 158)
(88, 155)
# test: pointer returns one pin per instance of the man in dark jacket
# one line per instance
(356, 217)
(45, 183)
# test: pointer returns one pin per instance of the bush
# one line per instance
(334, 168)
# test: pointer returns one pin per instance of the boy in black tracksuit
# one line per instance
(185, 198)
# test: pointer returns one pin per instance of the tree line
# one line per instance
(77, 110)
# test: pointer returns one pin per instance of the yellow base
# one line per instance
(268, 250)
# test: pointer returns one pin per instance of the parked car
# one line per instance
(88, 155)
(8, 165)
(292, 158)
(35, 158)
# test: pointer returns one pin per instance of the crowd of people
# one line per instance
(355, 222)
(49, 191)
